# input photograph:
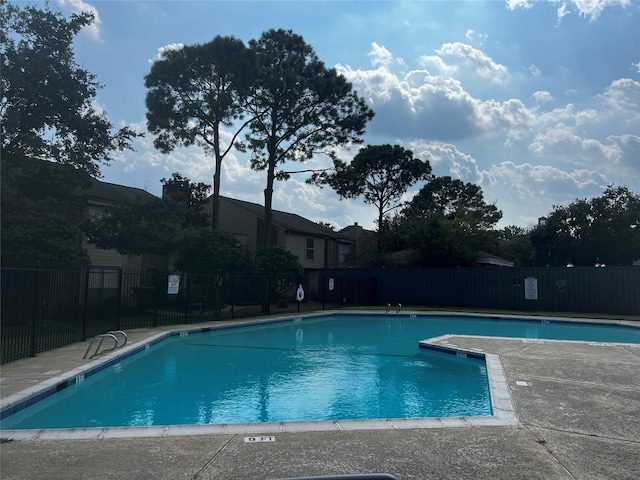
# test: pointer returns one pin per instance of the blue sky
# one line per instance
(538, 102)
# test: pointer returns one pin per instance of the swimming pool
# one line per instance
(335, 367)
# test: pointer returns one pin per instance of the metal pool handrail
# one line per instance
(112, 335)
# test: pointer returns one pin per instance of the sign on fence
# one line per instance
(531, 288)
(174, 284)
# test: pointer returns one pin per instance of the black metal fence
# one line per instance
(608, 290)
(47, 308)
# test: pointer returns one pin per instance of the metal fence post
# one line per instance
(119, 303)
(34, 319)
(186, 299)
(85, 301)
(233, 300)
(155, 298)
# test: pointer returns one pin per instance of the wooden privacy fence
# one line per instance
(608, 290)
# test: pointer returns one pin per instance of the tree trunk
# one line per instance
(380, 220)
(268, 192)
(268, 198)
(215, 214)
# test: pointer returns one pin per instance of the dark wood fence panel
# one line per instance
(612, 290)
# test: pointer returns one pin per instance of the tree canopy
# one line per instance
(299, 107)
(447, 223)
(380, 173)
(152, 225)
(53, 137)
(455, 200)
(206, 251)
(277, 261)
(195, 90)
(602, 230)
(47, 99)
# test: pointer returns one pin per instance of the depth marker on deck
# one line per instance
(259, 439)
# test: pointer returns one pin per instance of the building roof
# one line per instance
(288, 221)
(359, 234)
(113, 193)
(485, 258)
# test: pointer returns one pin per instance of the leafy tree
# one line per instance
(141, 227)
(44, 237)
(207, 251)
(193, 92)
(150, 225)
(281, 270)
(47, 99)
(514, 243)
(328, 225)
(185, 199)
(448, 222)
(277, 261)
(604, 229)
(214, 254)
(460, 202)
(380, 173)
(436, 241)
(52, 137)
(299, 108)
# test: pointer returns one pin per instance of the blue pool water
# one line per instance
(330, 368)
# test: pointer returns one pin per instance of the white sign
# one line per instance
(331, 284)
(259, 439)
(531, 288)
(174, 284)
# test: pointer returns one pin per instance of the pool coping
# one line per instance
(502, 404)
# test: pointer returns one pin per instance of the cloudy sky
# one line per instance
(538, 102)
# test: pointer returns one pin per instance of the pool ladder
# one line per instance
(113, 335)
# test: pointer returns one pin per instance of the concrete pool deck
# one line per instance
(577, 409)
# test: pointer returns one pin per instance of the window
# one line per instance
(344, 249)
(309, 248)
(104, 277)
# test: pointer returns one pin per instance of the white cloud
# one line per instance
(510, 117)
(484, 65)
(535, 71)
(420, 105)
(446, 159)
(560, 143)
(622, 99)
(627, 161)
(380, 55)
(94, 31)
(167, 48)
(562, 11)
(585, 8)
(513, 4)
(588, 8)
(545, 181)
(476, 37)
(526, 191)
(542, 96)
(436, 64)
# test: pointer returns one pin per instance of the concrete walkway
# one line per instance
(578, 406)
